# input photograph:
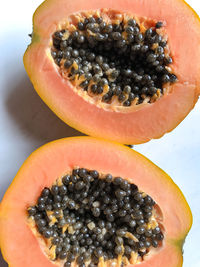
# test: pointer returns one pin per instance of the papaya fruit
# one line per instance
(83, 201)
(125, 70)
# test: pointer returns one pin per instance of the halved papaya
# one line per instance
(88, 202)
(125, 70)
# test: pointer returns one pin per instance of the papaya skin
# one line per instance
(52, 160)
(137, 124)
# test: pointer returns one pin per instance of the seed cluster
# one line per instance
(115, 61)
(87, 219)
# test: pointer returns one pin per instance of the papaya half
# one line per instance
(125, 70)
(81, 201)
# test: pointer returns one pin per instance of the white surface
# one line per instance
(27, 123)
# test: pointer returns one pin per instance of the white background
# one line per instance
(26, 122)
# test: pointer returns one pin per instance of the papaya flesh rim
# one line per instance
(146, 122)
(50, 161)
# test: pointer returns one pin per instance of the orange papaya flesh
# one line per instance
(130, 125)
(20, 244)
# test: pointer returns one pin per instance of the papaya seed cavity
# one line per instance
(115, 58)
(93, 219)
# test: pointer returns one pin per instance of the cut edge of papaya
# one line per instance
(70, 152)
(133, 127)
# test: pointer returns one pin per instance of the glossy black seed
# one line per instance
(130, 38)
(41, 207)
(140, 222)
(96, 212)
(81, 39)
(99, 90)
(139, 37)
(173, 78)
(154, 243)
(66, 55)
(108, 178)
(144, 90)
(94, 88)
(75, 53)
(127, 250)
(91, 56)
(159, 237)
(68, 63)
(140, 230)
(74, 179)
(98, 252)
(138, 196)
(138, 214)
(116, 35)
(57, 198)
(54, 54)
(92, 20)
(151, 58)
(63, 255)
(159, 50)
(81, 26)
(132, 22)
(84, 84)
(140, 244)
(119, 240)
(131, 242)
(67, 264)
(66, 179)
(32, 211)
(135, 48)
(99, 60)
(108, 28)
(58, 34)
(105, 66)
(168, 60)
(58, 249)
(118, 250)
(41, 222)
(148, 233)
(136, 30)
(99, 20)
(110, 217)
(57, 206)
(132, 223)
(58, 60)
(120, 194)
(79, 185)
(144, 48)
(94, 174)
(159, 24)
(117, 90)
(129, 29)
(86, 255)
(121, 97)
(121, 232)
(70, 257)
(122, 213)
(156, 230)
(163, 43)
(46, 192)
(71, 204)
(165, 78)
